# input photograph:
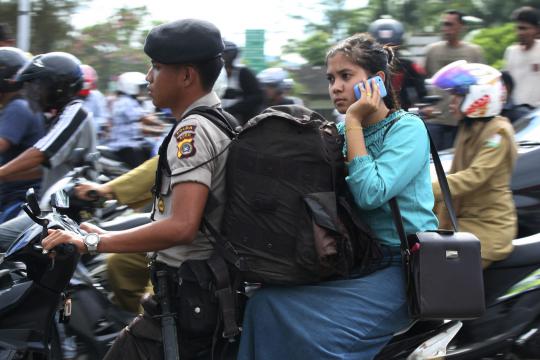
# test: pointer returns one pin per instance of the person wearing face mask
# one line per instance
(484, 158)
(387, 150)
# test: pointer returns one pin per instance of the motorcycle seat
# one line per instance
(526, 253)
(12, 296)
(108, 153)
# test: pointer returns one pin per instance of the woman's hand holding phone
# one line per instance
(367, 104)
(374, 80)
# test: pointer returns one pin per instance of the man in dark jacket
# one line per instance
(244, 96)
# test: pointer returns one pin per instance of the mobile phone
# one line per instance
(377, 79)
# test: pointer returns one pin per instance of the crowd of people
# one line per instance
(50, 105)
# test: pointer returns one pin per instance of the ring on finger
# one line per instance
(368, 94)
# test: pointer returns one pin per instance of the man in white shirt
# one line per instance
(522, 60)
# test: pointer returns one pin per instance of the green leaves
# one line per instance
(494, 42)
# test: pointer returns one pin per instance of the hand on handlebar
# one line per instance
(58, 237)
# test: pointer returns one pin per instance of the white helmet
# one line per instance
(481, 85)
(130, 83)
(273, 76)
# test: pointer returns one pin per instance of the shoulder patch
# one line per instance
(186, 131)
(185, 137)
(186, 148)
(494, 141)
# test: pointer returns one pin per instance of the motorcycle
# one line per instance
(29, 305)
(111, 164)
(508, 329)
(86, 168)
(80, 285)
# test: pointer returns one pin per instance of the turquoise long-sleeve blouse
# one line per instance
(397, 164)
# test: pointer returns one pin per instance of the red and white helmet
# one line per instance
(90, 79)
(480, 85)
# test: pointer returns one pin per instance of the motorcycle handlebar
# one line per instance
(93, 195)
(66, 249)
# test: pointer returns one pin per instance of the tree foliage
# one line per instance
(418, 16)
(115, 45)
(494, 41)
(50, 22)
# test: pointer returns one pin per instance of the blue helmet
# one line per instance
(11, 60)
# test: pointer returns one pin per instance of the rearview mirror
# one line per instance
(60, 200)
(32, 201)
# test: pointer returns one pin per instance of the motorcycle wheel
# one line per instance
(55, 352)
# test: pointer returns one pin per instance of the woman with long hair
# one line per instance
(387, 150)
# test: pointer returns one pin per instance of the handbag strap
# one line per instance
(443, 183)
(445, 189)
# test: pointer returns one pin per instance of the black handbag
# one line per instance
(443, 267)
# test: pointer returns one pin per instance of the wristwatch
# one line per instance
(91, 241)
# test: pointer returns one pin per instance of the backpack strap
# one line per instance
(225, 294)
(219, 117)
(391, 123)
(223, 246)
(222, 119)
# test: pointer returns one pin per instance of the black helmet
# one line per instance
(387, 31)
(11, 60)
(230, 52)
(54, 79)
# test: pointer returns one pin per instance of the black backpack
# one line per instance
(289, 218)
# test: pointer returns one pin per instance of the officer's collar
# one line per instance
(211, 100)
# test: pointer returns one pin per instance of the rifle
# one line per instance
(168, 322)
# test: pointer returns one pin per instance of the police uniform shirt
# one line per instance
(195, 140)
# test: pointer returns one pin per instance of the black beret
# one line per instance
(184, 41)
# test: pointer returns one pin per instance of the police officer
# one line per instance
(186, 61)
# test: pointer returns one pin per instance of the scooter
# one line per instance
(28, 307)
(77, 285)
(509, 329)
(86, 168)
